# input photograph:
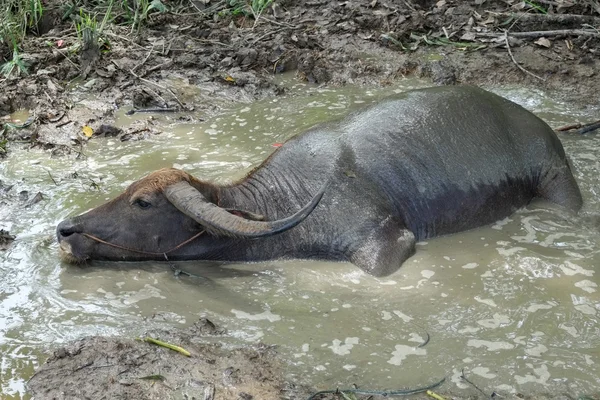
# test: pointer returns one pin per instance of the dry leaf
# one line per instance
(468, 36)
(87, 131)
(543, 42)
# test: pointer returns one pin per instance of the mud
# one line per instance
(200, 60)
(217, 57)
(124, 368)
(119, 368)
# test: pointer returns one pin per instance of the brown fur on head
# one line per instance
(157, 181)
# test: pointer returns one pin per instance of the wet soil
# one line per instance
(191, 56)
(111, 368)
(124, 368)
(198, 60)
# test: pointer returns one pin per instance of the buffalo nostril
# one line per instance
(65, 232)
(67, 228)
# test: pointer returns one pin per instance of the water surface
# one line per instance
(515, 305)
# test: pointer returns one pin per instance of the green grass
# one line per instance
(258, 6)
(17, 17)
(15, 65)
(137, 13)
(3, 145)
(87, 30)
(536, 6)
(248, 8)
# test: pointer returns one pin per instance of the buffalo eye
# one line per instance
(142, 204)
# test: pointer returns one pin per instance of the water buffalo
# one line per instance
(420, 164)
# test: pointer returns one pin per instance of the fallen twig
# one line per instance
(579, 129)
(278, 23)
(560, 18)
(51, 177)
(539, 34)
(159, 66)
(569, 127)
(384, 393)
(464, 377)
(555, 3)
(153, 110)
(148, 82)
(63, 123)
(167, 345)
(83, 366)
(145, 59)
(434, 395)
(515, 61)
(268, 33)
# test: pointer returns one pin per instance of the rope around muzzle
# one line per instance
(153, 253)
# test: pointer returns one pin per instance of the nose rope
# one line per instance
(154, 253)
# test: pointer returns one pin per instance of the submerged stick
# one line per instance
(167, 345)
(153, 110)
(384, 393)
(578, 128)
(464, 378)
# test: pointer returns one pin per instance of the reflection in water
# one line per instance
(515, 304)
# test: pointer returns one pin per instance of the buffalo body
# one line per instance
(421, 164)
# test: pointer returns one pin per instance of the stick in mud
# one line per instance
(167, 345)
(153, 110)
(515, 61)
(578, 128)
(538, 34)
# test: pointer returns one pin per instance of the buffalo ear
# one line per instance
(246, 214)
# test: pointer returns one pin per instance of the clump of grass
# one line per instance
(536, 6)
(90, 33)
(87, 30)
(3, 151)
(247, 8)
(258, 6)
(17, 17)
(137, 12)
(16, 64)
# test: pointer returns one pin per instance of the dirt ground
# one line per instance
(120, 368)
(221, 55)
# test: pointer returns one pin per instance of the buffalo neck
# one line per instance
(272, 192)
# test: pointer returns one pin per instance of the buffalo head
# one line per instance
(167, 214)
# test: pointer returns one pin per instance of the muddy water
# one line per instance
(516, 305)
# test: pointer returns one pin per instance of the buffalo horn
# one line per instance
(219, 221)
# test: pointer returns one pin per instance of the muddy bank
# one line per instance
(198, 60)
(109, 368)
